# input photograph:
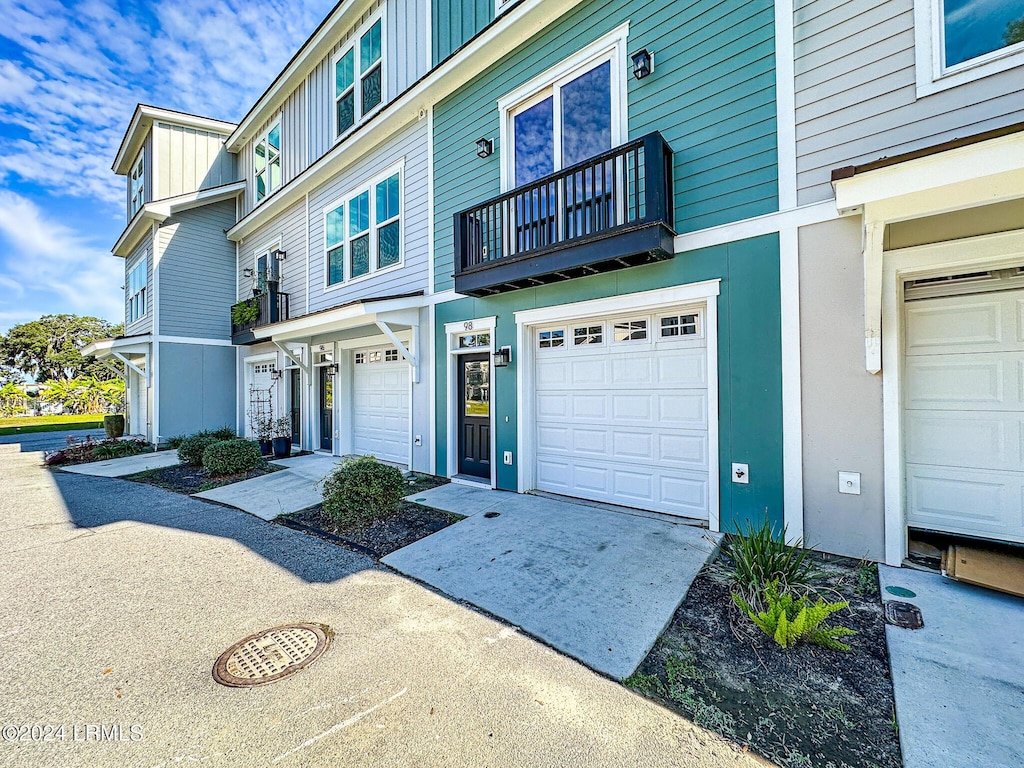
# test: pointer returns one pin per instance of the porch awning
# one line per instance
(400, 310)
(125, 349)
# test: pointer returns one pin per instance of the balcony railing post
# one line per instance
(460, 241)
(655, 187)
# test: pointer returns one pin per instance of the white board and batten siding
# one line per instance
(190, 160)
(856, 93)
(307, 113)
(286, 231)
(964, 414)
(197, 272)
(624, 422)
(145, 323)
(410, 144)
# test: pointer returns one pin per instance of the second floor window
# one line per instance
(137, 290)
(137, 186)
(267, 163)
(363, 232)
(358, 79)
(969, 33)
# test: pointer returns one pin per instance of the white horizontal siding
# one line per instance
(410, 144)
(286, 229)
(856, 96)
(190, 160)
(145, 323)
(197, 272)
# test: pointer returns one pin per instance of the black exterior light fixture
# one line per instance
(502, 357)
(276, 374)
(248, 272)
(278, 254)
(484, 148)
(332, 370)
(643, 64)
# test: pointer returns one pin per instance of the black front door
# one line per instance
(475, 415)
(295, 399)
(326, 409)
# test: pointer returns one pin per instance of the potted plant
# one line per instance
(113, 425)
(245, 312)
(265, 434)
(282, 437)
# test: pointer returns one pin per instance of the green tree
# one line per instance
(12, 399)
(1014, 32)
(47, 348)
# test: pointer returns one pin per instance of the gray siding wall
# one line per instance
(307, 114)
(189, 160)
(410, 144)
(145, 324)
(197, 389)
(197, 272)
(856, 95)
(288, 230)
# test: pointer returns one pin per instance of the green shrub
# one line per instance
(362, 491)
(222, 433)
(790, 620)
(759, 557)
(174, 443)
(116, 449)
(191, 449)
(232, 457)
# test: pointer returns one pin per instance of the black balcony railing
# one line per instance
(609, 212)
(272, 307)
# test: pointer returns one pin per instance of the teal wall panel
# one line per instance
(454, 22)
(749, 369)
(712, 96)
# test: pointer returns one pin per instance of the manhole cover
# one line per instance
(900, 592)
(270, 655)
(492, 514)
(903, 615)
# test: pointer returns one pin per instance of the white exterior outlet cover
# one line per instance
(741, 474)
(849, 482)
(508, 458)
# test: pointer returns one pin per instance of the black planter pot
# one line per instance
(266, 447)
(282, 447)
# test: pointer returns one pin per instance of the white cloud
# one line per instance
(49, 261)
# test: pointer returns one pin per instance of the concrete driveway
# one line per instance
(118, 597)
(49, 441)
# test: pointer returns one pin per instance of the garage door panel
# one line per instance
(552, 373)
(590, 441)
(962, 381)
(983, 440)
(380, 408)
(967, 501)
(684, 410)
(631, 370)
(552, 406)
(684, 369)
(633, 445)
(637, 406)
(684, 450)
(956, 324)
(590, 407)
(685, 494)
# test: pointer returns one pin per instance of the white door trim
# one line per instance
(705, 292)
(451, 331)
(966, 255)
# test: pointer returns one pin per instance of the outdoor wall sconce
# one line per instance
(276, 374)
(332, 370)
(503, 357)
(484, 148)
(247, 272)
(643, 64)
(279, 255)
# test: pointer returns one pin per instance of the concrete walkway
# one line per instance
(598, 585)
(959, 681)
(278, 493)
(119, 596)
(129, 465)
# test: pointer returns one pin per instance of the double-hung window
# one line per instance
(358, 78)
(137, 290)
(137, 186)
(267, 163)
(363, 231)
(962, 40)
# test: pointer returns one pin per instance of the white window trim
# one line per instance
(135, 202)
(144, 290)
(276, 122)
(272, 268)
(500, 6)
(611, 47)
(656, 327)
(353, 45)
(452, 332)
(932, 75)
(345, 200)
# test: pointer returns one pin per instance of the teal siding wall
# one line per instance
(749, 367)
(456, 21)
(712, 96)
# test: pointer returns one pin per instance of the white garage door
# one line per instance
(622, 411)
(380, 404)
(964, 414)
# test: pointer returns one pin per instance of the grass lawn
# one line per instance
(19, 425)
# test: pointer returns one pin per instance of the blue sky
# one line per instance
(70, 76)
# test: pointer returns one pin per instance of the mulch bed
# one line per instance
(189, 480)
(409, 524)
(802, 707)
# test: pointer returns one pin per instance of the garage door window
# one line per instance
(630, 330)
(675, 326)
(588, 334)
(551, 339)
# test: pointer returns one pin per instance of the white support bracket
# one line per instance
(297, 360)
(114, 369)
(874, 240)
(143, 373)
(410, 356)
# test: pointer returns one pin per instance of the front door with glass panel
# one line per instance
(326, 408)
(295, 403)
(474, 395)
(565, 124)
